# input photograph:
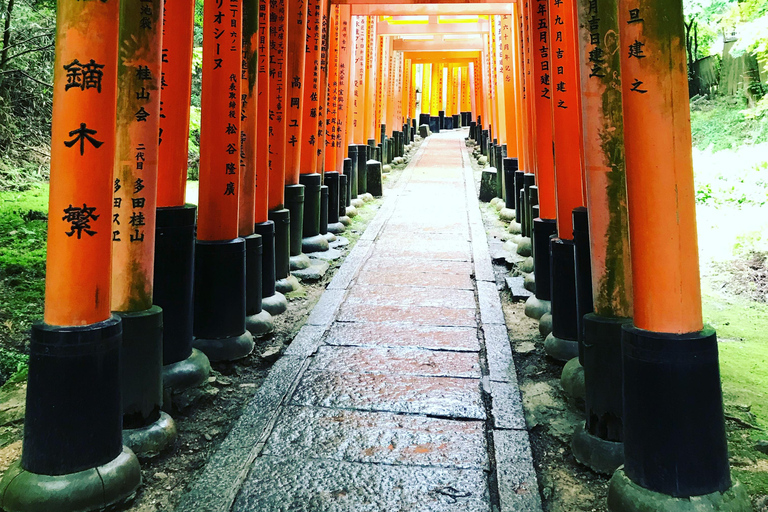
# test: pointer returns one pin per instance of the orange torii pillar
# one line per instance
(332, 93)
(466, 96)
(258, 321)
(425, 104)
(510, 163)
(562, 343)
(342, 91)
(219, 325)
(272, 301)
(521, 96)
(598, 444)
(184, 366)
(73, 457)
(356, 120)
(295, 40)
(545, 225)
(146, 429)
(498, 84)
(278, 94)
(530, 45)
(370, 79)
(674, 432)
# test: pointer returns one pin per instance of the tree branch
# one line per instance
(38, 49)
(9, 71)
(27, 40)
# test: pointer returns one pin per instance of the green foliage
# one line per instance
(726, 123)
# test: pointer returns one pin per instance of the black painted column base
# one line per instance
(183, 366)
(146, 430)
(312, 240)
(284, 282)
(324, 213)
(674, 430)
(219, 325)
(598, 444)
(562, 343)
(272, 301)
(73, 457)
(294, 202)
(539, 304)
(257, 321)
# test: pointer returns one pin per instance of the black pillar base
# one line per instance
(373, 171)
(141, 382)
(562, 342)
(173, 286)
(282, 222)
(257, 321)
(351, 169)
(510, 166)
(312, 240)
(543, 231)
(362, 170)
(674, 430)
(599, 445)
(294, 202)
(219, 324)
(584, 304)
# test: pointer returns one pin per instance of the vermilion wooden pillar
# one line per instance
(545, 225)
(325, 100)
(73, 417)
(370, 79)
(426, 85)
(569, 163)
(358, 86)
(331, 126)
(146, 430)
(219, 324)
(184, 367)
(522, 97)
(272, 301)
(343, 79)
(278, 98)
(670, 358)
(258, 321)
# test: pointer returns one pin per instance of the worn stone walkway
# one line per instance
(400, 392)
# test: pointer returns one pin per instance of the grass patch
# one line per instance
(727, 123)
(742, 328)
(23, 236)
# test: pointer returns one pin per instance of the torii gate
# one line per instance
(592, 161)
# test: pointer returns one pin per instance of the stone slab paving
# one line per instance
(399, 394)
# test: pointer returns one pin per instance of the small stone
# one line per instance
(224, 381)
(208, 437)
(211, 379)
(525, 347)
(270, 354)
(160, 475)
(762, 446)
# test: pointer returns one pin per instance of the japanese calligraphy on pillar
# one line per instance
(632, 26)
(262, 114)
(333, 85)
(248, 118)
(296, 51)
(370, 78)
(342, 91)
(135, 176)
(220, 123)
(277, 95)
(358, 85)
(322, 108)
(82, 138)
(381, 77)
(311, 93)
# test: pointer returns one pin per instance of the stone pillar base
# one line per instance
(561, 348)
(150, 440)
(187, 373)
(286, 285)
(536, 308)
(226, 349)
(260, 324)
(545, 324)
(274, 304)
(597, 454)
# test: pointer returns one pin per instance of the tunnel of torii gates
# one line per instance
(580, 106)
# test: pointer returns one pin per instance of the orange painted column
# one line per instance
(667, 292)
(311, 89)
(331, 126)
(73, 417)
(263, 126)
(426, 86)
(670, 358)
(278, 20)
(248, 119)
(435, 100)
(176, 93)
(358, 86)
(542, 96)
(521, 90)
(498, 80)
(389, 88)
(370, 79)
(295, 83)
(508, 51)
(408, 90)
(83, 136)
(382, 59)
(325, 80)
(566, 114)
(342, 92)
(466, 90)
(530, 113)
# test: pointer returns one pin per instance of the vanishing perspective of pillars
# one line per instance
(219, 321)
(544, 227)
(598, 444)
(278, 213)
(174, 262)
(257, 320)
(272, 301)
(562, 342)
(146, 429)
(670, 358)
(73, 420)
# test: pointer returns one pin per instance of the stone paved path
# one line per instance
(400, 393)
